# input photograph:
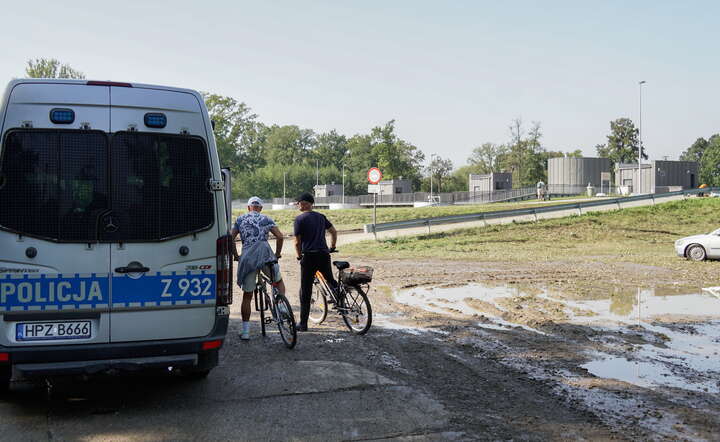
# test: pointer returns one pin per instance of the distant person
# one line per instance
(312, 251)
(253, 228)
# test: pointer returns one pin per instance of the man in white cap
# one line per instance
(253, 228)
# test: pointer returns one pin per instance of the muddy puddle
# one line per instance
(652, 338)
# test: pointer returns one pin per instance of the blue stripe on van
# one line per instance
(186, 288)
(51, 292)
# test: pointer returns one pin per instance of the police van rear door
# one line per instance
(163, 250)
(54, 282)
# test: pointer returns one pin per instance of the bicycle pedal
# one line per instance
(268, 320)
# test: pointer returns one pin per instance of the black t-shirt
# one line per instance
(311, 227)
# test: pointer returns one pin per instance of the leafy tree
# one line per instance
(695, 151)
(238, 134)
(288, 144)
(525, 156)
(51, 68)
(577, 153)
(395, 157)
(267, 181)
(331, 149)
(486, 157)
(622, 143)
(359, 159)
(440, 170)
(710, 162)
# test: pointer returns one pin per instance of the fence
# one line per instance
(427, 222)
(442, 198)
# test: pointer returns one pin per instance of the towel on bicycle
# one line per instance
(254, 257)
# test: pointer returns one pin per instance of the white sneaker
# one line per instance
(245, 333)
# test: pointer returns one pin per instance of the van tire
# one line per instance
(197, 375)
(5, 375)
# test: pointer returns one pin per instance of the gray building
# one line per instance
(572, 175)
(323, 190)
(658, 176)
(396, 185)
(490, 182)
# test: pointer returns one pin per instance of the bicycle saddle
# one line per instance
(341, 264)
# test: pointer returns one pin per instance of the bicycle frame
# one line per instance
(261, 296)
(326, 285)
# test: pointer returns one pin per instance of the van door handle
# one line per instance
(131, 269)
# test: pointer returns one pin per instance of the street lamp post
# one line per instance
(343, 178)
(284, 175)
(640, 148)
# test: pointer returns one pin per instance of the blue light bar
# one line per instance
(155, 120)
(62, 116)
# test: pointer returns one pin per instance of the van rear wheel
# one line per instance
(197, 375)
(5, 374)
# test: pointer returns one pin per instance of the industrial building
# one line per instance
(657, 177)
(323, 190)
(490, 182)
(396, 185)
(570, 175)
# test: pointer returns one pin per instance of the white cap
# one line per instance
(255, 201)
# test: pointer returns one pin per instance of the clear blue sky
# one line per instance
(452, 73)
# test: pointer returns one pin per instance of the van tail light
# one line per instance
(212, 345)
(224, 271)
(4, 357)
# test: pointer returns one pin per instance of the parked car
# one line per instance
(699, 247)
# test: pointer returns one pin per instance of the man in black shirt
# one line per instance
(312, 251)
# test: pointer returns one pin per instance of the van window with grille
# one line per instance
(159, 186)
(53, 184)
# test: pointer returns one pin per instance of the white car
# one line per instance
(699, 247)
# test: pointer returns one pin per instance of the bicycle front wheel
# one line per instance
(356, 311)
(286, 321)
(318, 303)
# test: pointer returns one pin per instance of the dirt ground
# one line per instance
(521, 378)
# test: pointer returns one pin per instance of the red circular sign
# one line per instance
(374, 175)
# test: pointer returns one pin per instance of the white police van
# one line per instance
(114, 252)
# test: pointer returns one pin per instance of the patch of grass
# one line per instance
(352, 219)
(643, 235)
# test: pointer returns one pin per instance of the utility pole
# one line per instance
(284, 176)
(343, 178)
(640, 148)
(317, 172)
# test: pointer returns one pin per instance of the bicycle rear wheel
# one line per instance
(356, 310)
(318, 303)
(285, 321)
(260, 306)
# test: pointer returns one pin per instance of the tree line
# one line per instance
(267, 159)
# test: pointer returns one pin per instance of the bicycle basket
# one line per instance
(357, 275)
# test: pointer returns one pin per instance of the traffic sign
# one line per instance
(374, 175)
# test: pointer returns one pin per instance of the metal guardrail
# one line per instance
(534, 211)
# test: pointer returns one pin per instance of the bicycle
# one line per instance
(280, 309)
(350, 299)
